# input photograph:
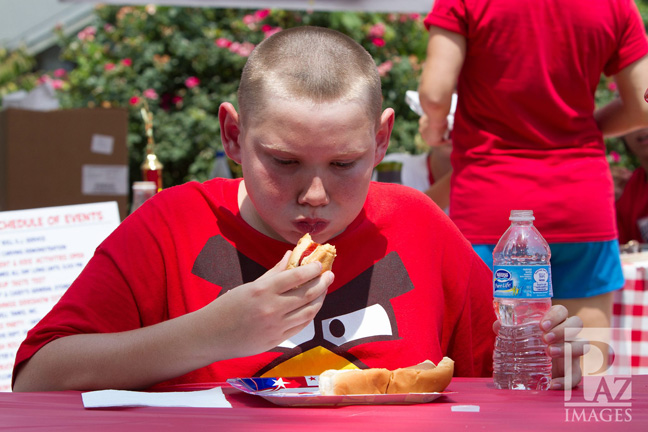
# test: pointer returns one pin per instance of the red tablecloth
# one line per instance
(630, 311)
(499, 410)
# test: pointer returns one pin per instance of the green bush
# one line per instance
(184, 62)
(16, 71)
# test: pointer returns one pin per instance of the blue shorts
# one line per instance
(578, 269)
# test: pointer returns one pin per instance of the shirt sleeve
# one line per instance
(449, 15)
(633, 43)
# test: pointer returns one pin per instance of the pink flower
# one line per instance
(612, 86)
(134, 100)
(176, 100)
(379, 42)
(109, 28)
(127, 62)
(269, 30)
(243, 49)
(415, 16)
(249, 20)
(377, 30)
(384, 68)
(192, 82)
(616, 158)
(150, 94)
(87, 33)
(261, 14)
(43, 79)
(109, 66)
(57, 84)
(223, 43)
(60, 73)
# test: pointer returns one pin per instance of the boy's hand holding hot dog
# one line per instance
(281, 302)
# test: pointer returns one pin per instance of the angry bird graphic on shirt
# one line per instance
(359, 312)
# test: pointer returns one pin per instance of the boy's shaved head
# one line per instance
(309, 63)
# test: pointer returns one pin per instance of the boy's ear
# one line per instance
(383, 134)
(230, 131)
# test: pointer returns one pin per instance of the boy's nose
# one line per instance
(315, 194)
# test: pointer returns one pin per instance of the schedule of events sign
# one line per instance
(42, 251)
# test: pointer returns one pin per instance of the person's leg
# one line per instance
(585, 276)
(595, 311)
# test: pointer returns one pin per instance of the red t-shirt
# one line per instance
(632, 209)
(408, 286)
(524, 135)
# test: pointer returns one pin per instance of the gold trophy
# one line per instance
(151, 167)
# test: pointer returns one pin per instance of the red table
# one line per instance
(499, 410)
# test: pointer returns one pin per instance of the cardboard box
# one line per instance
(63, 157)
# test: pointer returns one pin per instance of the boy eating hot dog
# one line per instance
(193, 286)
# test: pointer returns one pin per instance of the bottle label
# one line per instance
(522, 282)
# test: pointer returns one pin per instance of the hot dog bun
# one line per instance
(354, 381)
(307, 251)
(424, 377)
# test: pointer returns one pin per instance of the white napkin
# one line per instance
(212, 398)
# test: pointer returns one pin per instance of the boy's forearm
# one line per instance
(127, 360)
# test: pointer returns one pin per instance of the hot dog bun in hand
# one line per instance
(307, 251)
(425, 377)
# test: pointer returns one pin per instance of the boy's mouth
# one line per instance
(311, 226)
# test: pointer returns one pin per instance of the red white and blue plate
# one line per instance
(304, 391)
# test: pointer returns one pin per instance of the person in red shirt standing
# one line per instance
(526, 133)
(632, 206)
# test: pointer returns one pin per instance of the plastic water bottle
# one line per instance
(522, 294)
(220, 168)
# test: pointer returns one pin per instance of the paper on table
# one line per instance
(212, 398)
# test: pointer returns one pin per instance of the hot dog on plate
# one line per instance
(425, 377)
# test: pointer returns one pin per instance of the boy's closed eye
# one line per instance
(340, 165)
(343, 165)
(285, 162)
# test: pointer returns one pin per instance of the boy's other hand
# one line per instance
(553, 326)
